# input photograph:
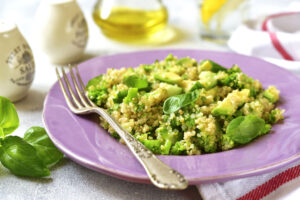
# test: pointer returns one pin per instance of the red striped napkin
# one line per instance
(276, 36)
(281, 184)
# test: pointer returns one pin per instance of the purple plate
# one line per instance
(85, 142)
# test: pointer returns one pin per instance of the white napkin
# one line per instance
(281, 184)
(277, 36)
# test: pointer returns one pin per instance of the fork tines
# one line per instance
(77, 99)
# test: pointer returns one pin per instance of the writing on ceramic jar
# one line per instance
(80, 37)
(20, 60)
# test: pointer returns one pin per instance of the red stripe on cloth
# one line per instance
(279, 47)
(274, 39)
(272, 184)
(265, 22)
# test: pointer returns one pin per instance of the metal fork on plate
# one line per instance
(160, 174)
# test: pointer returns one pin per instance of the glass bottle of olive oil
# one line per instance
(129, 19)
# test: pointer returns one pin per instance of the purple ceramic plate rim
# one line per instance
(143, 178)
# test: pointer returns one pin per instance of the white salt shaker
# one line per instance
(62, 31)
(16, 62)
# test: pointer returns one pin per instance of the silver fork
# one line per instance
(160, 174)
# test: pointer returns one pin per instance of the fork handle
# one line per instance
(160, 174)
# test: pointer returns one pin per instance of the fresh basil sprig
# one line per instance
(46, 151)
(9, 120)
(21, 158)
(174, 103)
(29, 156)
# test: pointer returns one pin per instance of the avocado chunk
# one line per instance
(208, 79)
(168, 77)
(231, 103)
(208, 65)
(272, 94)
(172, 90)
(187, 62)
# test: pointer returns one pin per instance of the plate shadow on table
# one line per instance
(119, 189)
(33, 101)
(49, 179)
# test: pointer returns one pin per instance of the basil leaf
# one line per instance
(135, 82)
(120, 96)
(9, 120)
(174, 103)
(45, 149)
(244, 129)
(21, 158)
(95, 81)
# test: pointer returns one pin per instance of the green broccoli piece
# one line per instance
(132, 93)
(153, 145)
(272, 94)
(148, 68)
(178, 148)
(275, 116)
(120, 96)
(98, 96)
(168, 138)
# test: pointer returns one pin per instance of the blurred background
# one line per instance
(184, 18)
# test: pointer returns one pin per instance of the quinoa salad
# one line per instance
(178, 106)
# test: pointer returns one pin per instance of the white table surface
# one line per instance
(69, 180)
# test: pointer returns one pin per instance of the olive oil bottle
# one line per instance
(124, 22)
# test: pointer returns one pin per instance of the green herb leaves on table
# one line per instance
(9, 120)
(21, 158)
(30, 156)
(174, 103)
(46, 151)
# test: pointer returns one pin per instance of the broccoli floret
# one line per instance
(132, 93)
(170, 57)
(115, 135)
(153, 145)
(169, 138)
(179, 148)
(272, 94)
(98, 96)
(148, 68)
(275, 116)
(226, 143)
(120, 96)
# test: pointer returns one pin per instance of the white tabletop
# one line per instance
(69, 180)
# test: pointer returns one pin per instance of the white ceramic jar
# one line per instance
(16, 62)
(62, 30)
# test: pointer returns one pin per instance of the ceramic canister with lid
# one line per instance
(61, 30)
(16, 62)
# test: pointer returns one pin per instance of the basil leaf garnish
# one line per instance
(174, 103)
(135, 82)
(21, 158)
(95, 81)
(244, 129)
(9, 120)
(45, 149)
